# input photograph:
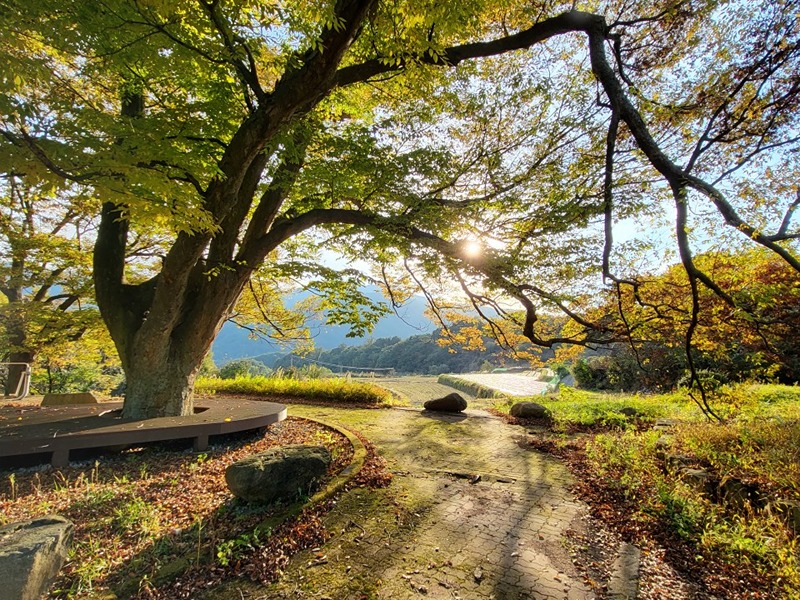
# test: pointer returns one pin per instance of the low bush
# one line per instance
(469, 387)
(243, 367)
(572, 408)
(330, 390)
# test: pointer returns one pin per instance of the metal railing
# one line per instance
(24, 382)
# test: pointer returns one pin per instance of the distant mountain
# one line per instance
(417, 354)
(233, 342)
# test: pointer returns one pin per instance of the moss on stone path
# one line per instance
(438, 531)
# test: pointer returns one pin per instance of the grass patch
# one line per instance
(757, 448)
(337, 390)
(572, 408)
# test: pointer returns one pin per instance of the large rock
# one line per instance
(69, 399)
(31, 555)
(450, 403)
(278, 474)
(529, 410)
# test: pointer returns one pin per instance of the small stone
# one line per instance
(663, 444)
(451, 403)
(678, 461)
(665, 424)
(698, 479)
(478, 574)
(529, 410)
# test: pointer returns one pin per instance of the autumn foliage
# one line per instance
(755, 339)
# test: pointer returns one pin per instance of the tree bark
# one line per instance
(160, 388)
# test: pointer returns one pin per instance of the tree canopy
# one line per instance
(496, 146)
(45, 273)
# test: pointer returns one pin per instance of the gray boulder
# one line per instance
(529, 410)
(450, 403)
(628, 411)
(31, 555)
(279, 474)
(699, 480)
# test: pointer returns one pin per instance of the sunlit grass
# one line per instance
(743, 402)
(758, 445)
(331, 390)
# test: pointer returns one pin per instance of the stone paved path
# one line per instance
(500, 537)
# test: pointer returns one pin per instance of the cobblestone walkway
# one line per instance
(491, 525)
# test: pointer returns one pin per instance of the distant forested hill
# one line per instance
(417, 354)
(233, 342)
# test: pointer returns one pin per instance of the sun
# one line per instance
(472, 249)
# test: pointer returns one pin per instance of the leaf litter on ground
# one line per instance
(144, 509)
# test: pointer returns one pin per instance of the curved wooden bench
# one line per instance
(58, 430)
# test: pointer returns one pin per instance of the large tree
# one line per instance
(398, 131)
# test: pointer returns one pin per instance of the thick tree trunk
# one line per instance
(160, 370)
(163, 328)
(164, 391)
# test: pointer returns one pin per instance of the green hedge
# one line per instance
(469, 387)
(331, 390)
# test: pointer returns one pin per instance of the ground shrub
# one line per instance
(469, 387)
(758, 446)
(243, 367)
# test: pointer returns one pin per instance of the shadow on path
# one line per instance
(440, 531)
